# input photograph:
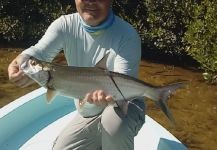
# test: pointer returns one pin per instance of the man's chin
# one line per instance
(90, 20)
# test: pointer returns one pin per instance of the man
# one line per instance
(86, 37)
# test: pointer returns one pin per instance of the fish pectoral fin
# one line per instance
(50, 95)
(123, 106)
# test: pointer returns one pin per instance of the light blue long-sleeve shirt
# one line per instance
(85, 50)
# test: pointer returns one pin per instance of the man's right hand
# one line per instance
(97, 97)
(16, 75)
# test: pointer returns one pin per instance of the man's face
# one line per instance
(93, 12)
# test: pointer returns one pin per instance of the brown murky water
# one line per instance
(194, 107)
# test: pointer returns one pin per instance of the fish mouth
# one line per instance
(39, 65)
(31, 67)
(24, 65)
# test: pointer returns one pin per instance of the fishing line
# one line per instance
(136, 106)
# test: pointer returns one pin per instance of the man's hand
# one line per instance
(97, 97)
(16, 75)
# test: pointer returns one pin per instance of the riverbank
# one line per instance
(194, 107)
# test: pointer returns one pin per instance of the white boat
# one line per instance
(28, 123)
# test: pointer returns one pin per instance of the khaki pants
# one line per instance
(108, 131)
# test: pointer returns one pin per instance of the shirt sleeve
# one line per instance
(129, 56)
(50, 44)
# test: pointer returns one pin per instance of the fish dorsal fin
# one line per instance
(50, 95)
(102, 62)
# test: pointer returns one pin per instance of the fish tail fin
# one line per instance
(164, 94)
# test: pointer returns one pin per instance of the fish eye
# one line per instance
(33, 63)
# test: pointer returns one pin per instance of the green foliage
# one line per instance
(161, 23)
(135, 12)
(11, 28)
(176, 28)
(167, 24)
(22, 20)
(202, 37)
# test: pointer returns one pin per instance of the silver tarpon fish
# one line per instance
(76, 82)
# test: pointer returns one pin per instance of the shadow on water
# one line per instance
(165, 144)
(158, 56)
